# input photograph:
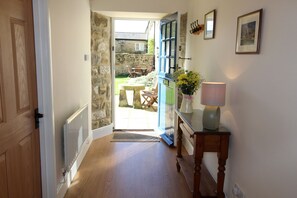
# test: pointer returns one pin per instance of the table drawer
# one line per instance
(188, 133)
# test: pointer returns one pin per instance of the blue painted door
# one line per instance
(167, 65)
(168, 41)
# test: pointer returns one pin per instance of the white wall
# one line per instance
(261, 95)
(157, 6)
(261, 98)
(70, 40)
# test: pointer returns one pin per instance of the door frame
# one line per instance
(112, 59)
(156, 53)
(45, 97)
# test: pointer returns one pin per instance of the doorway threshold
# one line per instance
(133, 130)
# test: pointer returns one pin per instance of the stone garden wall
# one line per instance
(122, 60)
(101, 72)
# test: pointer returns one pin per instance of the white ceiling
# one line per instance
(136, 26)
(133, 15)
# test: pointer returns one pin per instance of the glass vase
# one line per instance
(187, 104)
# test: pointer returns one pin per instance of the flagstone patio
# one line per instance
(131, 118)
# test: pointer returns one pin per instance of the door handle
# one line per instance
(37, 116)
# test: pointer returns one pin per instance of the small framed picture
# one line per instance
(209, 24)
(249, 33)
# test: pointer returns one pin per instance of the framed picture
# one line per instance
(209, 24)
(248, 33)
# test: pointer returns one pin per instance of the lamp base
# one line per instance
(211, 117)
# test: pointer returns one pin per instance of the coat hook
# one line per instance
(183, 58)
(196, 28)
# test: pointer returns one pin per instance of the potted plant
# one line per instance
(188, 82)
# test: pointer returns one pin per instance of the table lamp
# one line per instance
(213, 96)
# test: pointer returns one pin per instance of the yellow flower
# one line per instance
(187, 81)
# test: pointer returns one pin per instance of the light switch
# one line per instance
(86, 57)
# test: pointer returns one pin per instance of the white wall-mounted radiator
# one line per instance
(76, 131)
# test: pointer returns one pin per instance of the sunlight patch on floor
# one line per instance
(130, 118)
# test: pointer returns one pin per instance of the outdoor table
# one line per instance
(136, 95)
(142, 70)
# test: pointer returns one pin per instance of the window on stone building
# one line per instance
(139, 47)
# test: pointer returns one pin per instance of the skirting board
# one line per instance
(97, 133)
(103, 131)
(62, 189)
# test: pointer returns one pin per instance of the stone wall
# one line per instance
(182, 50)
(122, 60)
(101, 72)
(128, 46)
(183, 38)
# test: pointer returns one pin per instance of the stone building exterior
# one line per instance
(101, 72)
(131, 50)
(131, 46)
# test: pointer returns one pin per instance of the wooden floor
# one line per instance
(128, 170)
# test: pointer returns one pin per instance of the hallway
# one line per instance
(128, 170)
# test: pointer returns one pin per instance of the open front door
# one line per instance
(19, 136)
(167, 65)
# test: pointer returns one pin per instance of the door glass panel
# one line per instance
(167, 65)
(172, 62)
(168, 31)
(172, 53)
(173, 28)
(163, 31)
(163, 64)
(163, 48)
(167, 48)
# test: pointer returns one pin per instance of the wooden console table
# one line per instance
(197, 176)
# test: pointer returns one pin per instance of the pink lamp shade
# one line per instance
(213, 93)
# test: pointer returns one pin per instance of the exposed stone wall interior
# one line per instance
(183, 37)
(182, 52)
(101, 72)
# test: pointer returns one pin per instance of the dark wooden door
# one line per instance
(19, 140)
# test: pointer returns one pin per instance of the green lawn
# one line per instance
(119, 80)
